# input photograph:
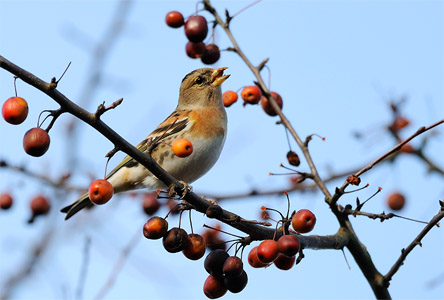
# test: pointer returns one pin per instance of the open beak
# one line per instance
(218, 77)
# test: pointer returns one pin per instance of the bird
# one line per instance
(200, 117)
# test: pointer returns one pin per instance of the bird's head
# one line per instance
(202, 87)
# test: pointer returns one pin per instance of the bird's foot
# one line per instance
(187, 188)
(172, 190)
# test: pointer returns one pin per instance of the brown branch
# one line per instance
(420, 131)
(257, 232)
(358, 250)
(417, 241)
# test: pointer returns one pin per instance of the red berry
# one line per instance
(407, 148)
(150, 203)
(214, 287)
(400, 123)
(40, 206)
(211, 54)
(175, 240)
(182, 147)
(100, 191)
(266, 106)
(36, 142)
(288, 245)
(396, 201)
(155, 228)
(5, 201)
(195, 248)
(253, 260)
(174, 19)
(284, 262)
(251, 94)
(233, 266)
(196, 29)
(195, 50)
(229, 97)
(267, 251)
(15, 110)
(303, 221)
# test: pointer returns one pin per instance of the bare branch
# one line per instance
(417, 241)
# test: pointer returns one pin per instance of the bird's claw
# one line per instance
(187, 188)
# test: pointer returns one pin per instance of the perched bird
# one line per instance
(199, 117)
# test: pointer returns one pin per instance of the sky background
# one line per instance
(336, 64)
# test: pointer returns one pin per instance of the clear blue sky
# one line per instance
(336, 65)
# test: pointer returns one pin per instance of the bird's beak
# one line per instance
(218, 77)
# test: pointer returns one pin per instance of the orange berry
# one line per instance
(229, 97)
(400, 123)
(174, 19)
(15, 110)
(100, 191)
(40, 206)
(396, 201)
(266, 106)
(407, 148)
(182, 147)
(5, 201)
(251, 94)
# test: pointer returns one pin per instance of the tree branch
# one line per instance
(417, 241)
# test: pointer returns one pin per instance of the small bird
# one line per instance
(199, 117)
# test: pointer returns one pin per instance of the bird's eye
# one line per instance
(199, 80)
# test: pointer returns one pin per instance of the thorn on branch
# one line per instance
(262, 64)
(111, 153)
(300, 256)
(101, 109)
(231, 49)
(54, 82)
(228, 18)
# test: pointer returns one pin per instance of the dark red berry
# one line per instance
(211, 55)
(196, 29)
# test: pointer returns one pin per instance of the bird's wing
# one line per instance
(173, 124)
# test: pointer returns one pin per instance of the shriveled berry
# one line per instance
(175, 240)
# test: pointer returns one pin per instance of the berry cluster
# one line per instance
(253, 95)
(226, 274)
(283, 252)
(196, 30)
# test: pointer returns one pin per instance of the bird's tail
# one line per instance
(81, 203)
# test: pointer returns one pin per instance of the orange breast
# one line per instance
(208, 122)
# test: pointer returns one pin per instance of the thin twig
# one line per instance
(118, 266)
(417, 241)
